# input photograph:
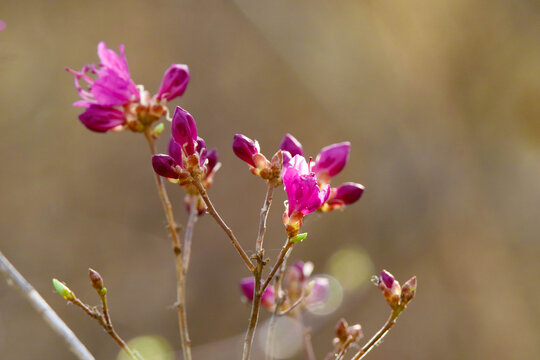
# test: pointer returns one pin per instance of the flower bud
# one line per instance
(174, 82)
(95, 279)
(102, 119)
(290, 144)
(63, 290)
(245, 148)
(348, 193)
(247, 285)
(390, 288)
(331, 160)
(341, 330)
(319, 291)
(165, 166)
(184, 130)
(408, 290)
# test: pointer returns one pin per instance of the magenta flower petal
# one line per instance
(174, 82)
(245, 148)
(175, 151)
(303, 192)
(320, 291)
(290, 144)
(332, 159)
(386, 279)
(101, 119)
(348, 193)
(113, 86)
(212, 161)
(165, 165)
(184, 130)
(247, 285)
(201, 150)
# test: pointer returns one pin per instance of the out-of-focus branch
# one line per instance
(15, 279)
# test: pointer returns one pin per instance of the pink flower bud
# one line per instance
(290, 144)
(331, 160)
(184, 130)
(165, 166)
(390, 288)
(175, 151)
(408, 290)
(212, 161)
(348, 193)
(247, 285)
(245, 148)
(174, 82)
(102, 119)
(319, 293)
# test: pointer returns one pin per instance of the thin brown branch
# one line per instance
(259, 256)
(15, 279)
(177, 248)
(223, 225)
(379, 335)
(188, 236)
(105, 322)
(282, 256)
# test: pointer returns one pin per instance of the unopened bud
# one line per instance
(245, 148)
(390, 288)
(95, 279)
(63, 290)
(157, 130)
(355, 332)
(408, 290)
(341, 330)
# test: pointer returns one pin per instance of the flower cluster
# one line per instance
(300, 290)
(188, 156)
(306, 182)
(396, 296)
(111, 99)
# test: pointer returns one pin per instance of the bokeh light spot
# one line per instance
(332, 302)
(352, 266)
(287, 337)
(150, 347)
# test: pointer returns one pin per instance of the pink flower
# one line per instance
(174, 82)
(247, 285)
(113, 86)
(303, 191)
(329, 162)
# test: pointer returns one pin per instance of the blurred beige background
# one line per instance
(440, 99)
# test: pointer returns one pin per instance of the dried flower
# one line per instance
(408, 290)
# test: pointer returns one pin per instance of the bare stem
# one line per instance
(219, 220)
(264, 216)
(188, 236)
(15, 279)
(344, 348)
(105, 322)
(379, 335)
(282, 256)
(306, 340)
(257, 295)
(177, 248)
